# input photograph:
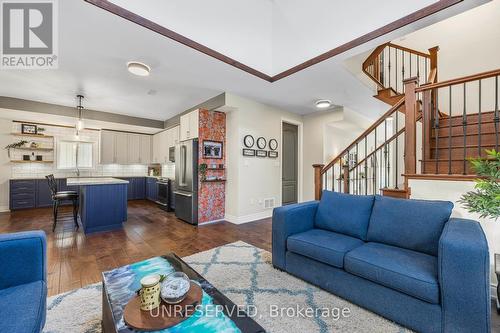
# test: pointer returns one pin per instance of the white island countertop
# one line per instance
(82, 181)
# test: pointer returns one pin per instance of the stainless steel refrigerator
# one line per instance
(186, 177)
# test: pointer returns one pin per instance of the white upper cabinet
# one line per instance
(189, 126)
(134, 148)
(145, 157)
(125, 148)
(162, 142)
(107, 147)
(121, 148)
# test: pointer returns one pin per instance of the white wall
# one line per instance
(452, 191)
(250, 180)
(326, 134)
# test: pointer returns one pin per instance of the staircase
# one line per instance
(454, 120)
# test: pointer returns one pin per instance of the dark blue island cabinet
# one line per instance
(103, 203)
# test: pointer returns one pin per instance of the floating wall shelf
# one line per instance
(23, 161)
(34, 135)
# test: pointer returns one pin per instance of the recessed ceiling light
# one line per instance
(138, 68)
(323, 104)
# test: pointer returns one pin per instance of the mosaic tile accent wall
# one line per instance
(212, 195)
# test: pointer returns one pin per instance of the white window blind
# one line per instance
(73, 154)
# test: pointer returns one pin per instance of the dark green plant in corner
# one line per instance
(485, 199)
(203, 170)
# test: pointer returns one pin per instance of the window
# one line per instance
(75, 154)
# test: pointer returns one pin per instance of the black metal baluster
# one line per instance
(366, 165)
(425, 79)
(436, 129)
(375, 162)
(449, 137)
(464, 127)
(496, 113)
(385, 155)
(396, 127)
(340, 176)
(418, 68)
(333, 178)
(403, 69)
(389, 67)
(479, 123)
(396, 69)
(356, 171)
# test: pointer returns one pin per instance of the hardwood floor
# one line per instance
(75, 260)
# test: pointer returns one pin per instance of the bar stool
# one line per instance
(60, 196)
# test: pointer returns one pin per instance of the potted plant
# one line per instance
(15, 145)
(203, 171)
(485, 198)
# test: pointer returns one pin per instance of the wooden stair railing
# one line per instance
(371, 162)
(390, 64)
(472, 122)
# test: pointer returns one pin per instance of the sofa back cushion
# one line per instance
(344, 213)
(410, 224)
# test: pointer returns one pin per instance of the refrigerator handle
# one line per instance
(183, 165)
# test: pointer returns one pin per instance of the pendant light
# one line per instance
(79, 122)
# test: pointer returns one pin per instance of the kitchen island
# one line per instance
(103, 203)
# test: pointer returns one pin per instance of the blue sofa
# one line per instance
(406, 260)
(23, 282)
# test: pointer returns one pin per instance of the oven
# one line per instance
(163, 195)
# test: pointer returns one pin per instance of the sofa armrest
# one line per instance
(22, 258)
(464, 277)
(289, 220)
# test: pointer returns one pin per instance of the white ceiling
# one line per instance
(95, 45)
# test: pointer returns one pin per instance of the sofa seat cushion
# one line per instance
(411, 224)
(410, 272)
(23, 307)
(322, 245)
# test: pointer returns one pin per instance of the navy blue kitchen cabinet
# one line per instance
(151, 189)
(140, 188)
(22, 193)
(43, 195)
(136, 187)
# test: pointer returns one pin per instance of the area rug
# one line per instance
(278, 301)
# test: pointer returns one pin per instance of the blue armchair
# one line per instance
(23, 282)
(406, 260)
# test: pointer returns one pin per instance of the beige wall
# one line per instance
(251, 180)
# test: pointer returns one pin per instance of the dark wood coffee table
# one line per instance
(120, 285)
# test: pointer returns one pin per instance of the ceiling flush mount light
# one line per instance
(138, 68)
(323, 104)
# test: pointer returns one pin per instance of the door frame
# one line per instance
(299, 125)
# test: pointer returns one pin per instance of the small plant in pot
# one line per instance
(203, 171)
(485, 198)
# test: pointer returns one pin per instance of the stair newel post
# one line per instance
(410, 125)
(318, 181)
(433, 56)
(426, 126)
(345, 175)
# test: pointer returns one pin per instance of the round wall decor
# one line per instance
(273, 144)
(261, 143)
(248, 141)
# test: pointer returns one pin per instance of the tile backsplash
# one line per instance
(39, 170)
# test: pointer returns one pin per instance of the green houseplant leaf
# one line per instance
(485, 198)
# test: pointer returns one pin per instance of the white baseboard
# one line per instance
(249, 218)
(4, 209)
